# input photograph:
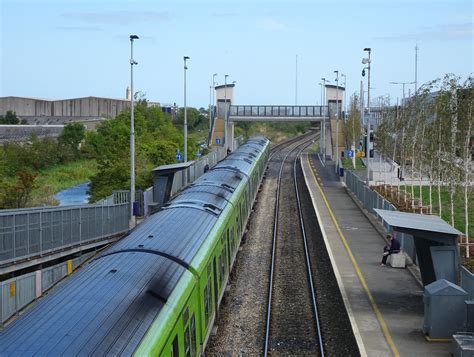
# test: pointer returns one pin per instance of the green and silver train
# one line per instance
(157, 291)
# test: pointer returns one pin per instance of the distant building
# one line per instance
(86, 110)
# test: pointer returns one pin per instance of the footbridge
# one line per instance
(277, 113)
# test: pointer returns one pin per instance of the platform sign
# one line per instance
(218, 141)
(179, 156)
(350, 153)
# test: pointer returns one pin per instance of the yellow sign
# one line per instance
(69, 266)
(12, 289)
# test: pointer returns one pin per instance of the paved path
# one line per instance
(385, 304)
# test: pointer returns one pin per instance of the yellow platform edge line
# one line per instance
(377, 312)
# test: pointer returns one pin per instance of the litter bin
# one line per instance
(136, 208)
(341, 171)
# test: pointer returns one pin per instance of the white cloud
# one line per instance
(444, 32)
(270, 24)
(117, 17)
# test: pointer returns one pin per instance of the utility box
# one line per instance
(397, 260)
(470, 316)
(445, 309)
(463, 345)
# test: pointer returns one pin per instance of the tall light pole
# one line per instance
(345, 95)
(416, 69)
(213, 87)
(210, 101)
(321, 87)
(324, 119)
(225, 110)
(185, 156)
(403, 87)
(337, 119)
(132, 134)
(367, 61)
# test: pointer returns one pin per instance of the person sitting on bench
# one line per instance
(392, 249)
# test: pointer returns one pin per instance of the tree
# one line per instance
(9, 118)
(353, 125)
(17, 195)
(71, 137)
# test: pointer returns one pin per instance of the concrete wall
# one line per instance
(222, 92)
(76, 107)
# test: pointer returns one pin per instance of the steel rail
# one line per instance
(274, 239)
(308, 260)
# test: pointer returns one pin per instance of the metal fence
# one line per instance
(371, 199)
(18, 292)
(27, 233)
(309, 111)
(197, 169)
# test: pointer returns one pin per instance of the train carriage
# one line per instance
(156, 291)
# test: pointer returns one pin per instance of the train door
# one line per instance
(216, 287)
(229, 251)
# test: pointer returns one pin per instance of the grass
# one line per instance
(347, 163)
(60, 177)
(459, 215)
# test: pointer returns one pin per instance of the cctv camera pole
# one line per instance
(185, 156)
(132, 135)
(337, 119)
(324, 119)
(225, 110)
(368, 120)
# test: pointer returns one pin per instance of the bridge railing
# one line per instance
(28, 233)
(309, 111)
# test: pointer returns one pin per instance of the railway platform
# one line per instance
(385, 304)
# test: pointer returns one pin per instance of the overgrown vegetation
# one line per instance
(276, 132)
(156, 143)
(430, 137)
(10, 118)
(21, 163)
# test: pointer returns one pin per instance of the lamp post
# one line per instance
(345, 96)
(132, 134)
(403, 87)
(225, 110)
(337, 119)
(324, 118)
(185, 156)
(367, 61)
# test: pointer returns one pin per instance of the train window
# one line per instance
(207, 301)
(185, 316)
(192, 326)
(222, 266)
(187, 347)
(175, 347)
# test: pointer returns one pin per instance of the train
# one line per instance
(157, 291)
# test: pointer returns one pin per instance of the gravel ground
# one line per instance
(292, 324)
(242, 315)
(241, 322)
(336, 328)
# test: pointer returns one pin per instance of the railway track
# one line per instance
(291, 293)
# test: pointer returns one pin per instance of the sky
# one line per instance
(66, 49)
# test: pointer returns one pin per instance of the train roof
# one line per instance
(107, 307)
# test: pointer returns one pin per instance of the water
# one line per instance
(74, 195)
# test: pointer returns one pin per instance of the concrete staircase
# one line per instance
(218, 132)
(342, 146)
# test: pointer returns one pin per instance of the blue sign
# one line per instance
(350, 153)
(179, 156)
(218, 141)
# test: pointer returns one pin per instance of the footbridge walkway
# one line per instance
(277, 113)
